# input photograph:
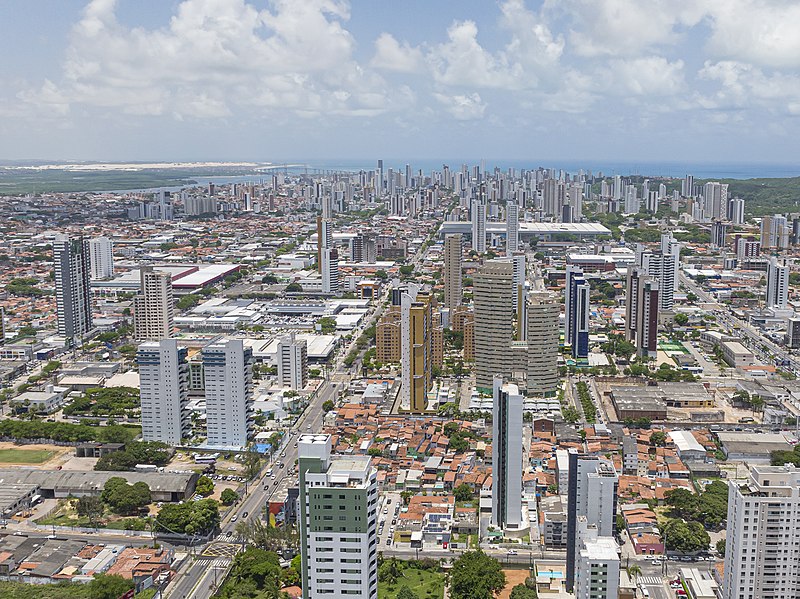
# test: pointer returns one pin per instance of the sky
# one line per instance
(272, 80)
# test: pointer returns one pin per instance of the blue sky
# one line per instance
(651, 80)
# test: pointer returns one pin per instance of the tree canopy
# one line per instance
(195, 517)
(123, 498)
(142, 452)
(475, 575)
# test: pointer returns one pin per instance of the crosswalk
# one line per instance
(654, 580)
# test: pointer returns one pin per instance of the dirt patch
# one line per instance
(513, 578)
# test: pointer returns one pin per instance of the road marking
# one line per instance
(652, 580)
(220, 550)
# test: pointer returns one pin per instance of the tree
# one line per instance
(407, 270)
(681, 319)
(264, 536)
(634, 571)
(381, 274)
(327, 405)
(197, 517)
(269, 279)
(252, 464)
(406, 593)
(205, 486)
(123, 498)
(463, 492)
(228, 496)
(522, 592)
(686, 536)
(658, 438)
(294, 288)
(255, 573)
(721, 546)
(90, 507)
(109, 586)
(327, 325)
(475, 575)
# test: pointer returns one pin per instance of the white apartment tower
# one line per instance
(73, 297)
(506, 455)
(478, 226)
(292, 362)
(512, 227)
(101, 257)
(777, 284)
(154, 306)
(452, 271)
(338, 521)
(330, 271)
(228, 368)
(164, 391)
(762, 553)
(592, 494)
(598, 564)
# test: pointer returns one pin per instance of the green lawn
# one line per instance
(25, 456)
(426, 584)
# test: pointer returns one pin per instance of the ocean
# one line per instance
(700, 170)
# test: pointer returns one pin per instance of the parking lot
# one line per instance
(388, 512)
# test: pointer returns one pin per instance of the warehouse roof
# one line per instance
(93, 480)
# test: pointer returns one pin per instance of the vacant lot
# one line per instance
(25, 456)
(426, 584)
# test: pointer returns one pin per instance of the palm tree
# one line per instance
(634, 571)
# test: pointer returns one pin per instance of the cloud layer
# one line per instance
(571, 63)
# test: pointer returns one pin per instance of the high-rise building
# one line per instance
(775, 232)
(228, 368)
(687, 186)
(478, 226)
(292, 362)
(634, 277)
(736, 211)
(388, 337)
(154, 306)
(506, 455)
(762, 550)
(592, 493)
(324, 239)
(715, 200)
(542, 338)
(632, 201)
(598, 564)
(793, 333)
(417, 351)
(469, 337)
(494, 321)
(777, 284)
(164, 391)
(661, 268)
(437, 341)
(330, 271)
(452, 271)
(518, 281)
(747, 248)
(647, 306)
(338, 521)
(576, 332)
(512, 227)
(719, 234)
(73, 296)
(197, 205)
(101, 257)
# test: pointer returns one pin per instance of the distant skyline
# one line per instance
(605, 81)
